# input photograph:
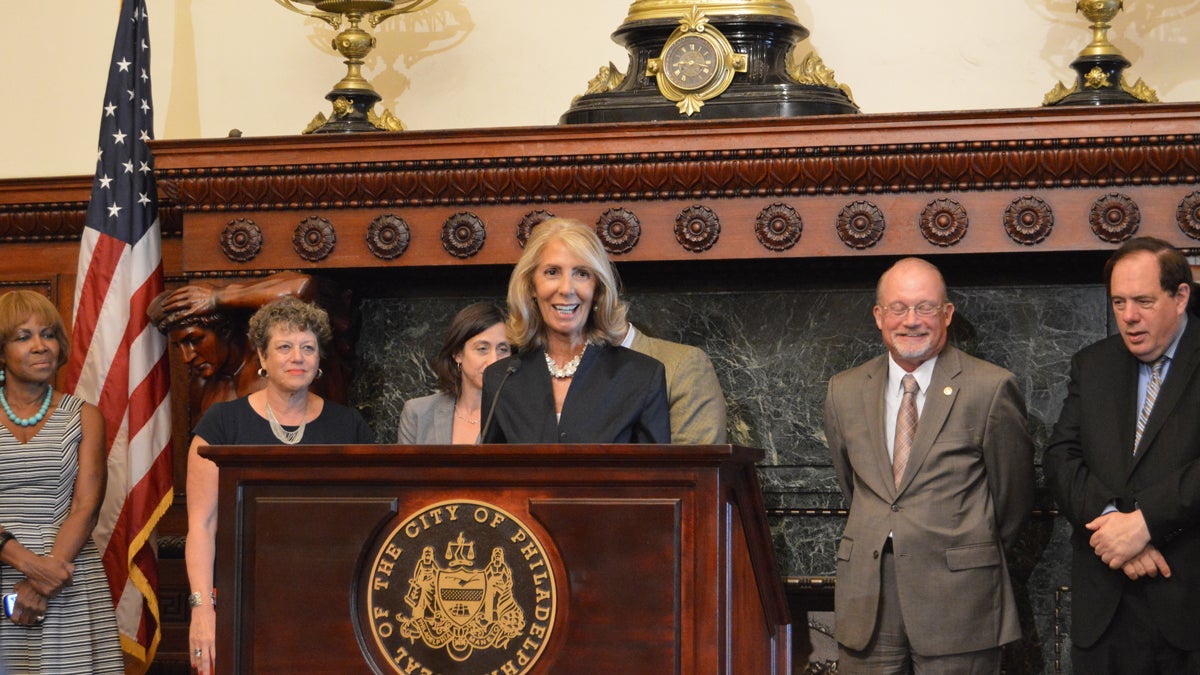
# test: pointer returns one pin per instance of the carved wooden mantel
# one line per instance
(971, 182)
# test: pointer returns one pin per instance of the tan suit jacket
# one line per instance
(967, 490)
(693, 392)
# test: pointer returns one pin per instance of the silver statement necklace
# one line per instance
(285, 436)
(569, 369)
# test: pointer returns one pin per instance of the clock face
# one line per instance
(691, 62)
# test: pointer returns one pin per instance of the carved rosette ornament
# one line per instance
(1028, 220)
(619, 230)
(388, 237)
(860, 224)
(778, 227)
(943, 222)
(531, 220)
(697, 228)
(241, 240)
(314, 239)
(1188, 215)
(1115, 218)
(463, 234)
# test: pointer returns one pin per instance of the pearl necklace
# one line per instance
(26, 421)
(284, 436)
(569, 369)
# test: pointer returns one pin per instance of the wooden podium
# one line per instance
(506, 559)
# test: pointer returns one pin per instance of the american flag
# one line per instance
(118, 358)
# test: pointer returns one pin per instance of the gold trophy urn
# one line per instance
(354, 98)
(710, 59)
(1100, 65)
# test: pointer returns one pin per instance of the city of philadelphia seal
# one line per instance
(460, 587)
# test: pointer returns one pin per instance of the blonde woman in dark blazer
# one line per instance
(570, 381)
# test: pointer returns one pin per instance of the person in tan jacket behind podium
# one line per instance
(935, 463)
(694, 397)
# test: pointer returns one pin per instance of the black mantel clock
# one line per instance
(710, 60)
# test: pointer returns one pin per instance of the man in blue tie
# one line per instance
(1123, 465)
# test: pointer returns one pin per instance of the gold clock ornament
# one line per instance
(697, 63)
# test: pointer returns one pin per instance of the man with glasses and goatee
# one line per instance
(935, 463)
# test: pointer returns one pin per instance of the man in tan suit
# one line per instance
(694, 395)
(937, 470)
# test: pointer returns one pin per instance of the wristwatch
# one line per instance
(196, 599)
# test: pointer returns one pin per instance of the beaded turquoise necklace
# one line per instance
(26, 421)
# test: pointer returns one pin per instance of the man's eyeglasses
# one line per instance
(899, 309)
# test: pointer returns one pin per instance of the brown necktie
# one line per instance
(906, 427)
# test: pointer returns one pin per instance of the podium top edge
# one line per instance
(583, 453)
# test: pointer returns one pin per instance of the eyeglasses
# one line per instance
(899, 309)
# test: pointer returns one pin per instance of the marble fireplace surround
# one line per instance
(759, 241)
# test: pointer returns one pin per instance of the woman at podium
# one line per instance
(288, 336)
(474, 340)
(570, 381)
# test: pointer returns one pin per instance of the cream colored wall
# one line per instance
(253, 65)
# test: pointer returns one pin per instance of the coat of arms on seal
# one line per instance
(460, 586)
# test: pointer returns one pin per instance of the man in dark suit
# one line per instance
(936, 465)
(1122, 463)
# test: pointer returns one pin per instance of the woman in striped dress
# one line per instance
(52, 479)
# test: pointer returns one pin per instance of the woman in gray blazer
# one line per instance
(474, 340)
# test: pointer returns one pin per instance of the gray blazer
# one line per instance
(967, 490)
(428, 420)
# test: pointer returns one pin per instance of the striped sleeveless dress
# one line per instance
(37, 480)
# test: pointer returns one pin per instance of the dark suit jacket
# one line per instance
(967, 490)
(616, 396)
(1089, 463)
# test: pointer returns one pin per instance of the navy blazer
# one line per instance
(616, 396)
(1089, 463)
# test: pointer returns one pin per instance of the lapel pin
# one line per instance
(947, 391)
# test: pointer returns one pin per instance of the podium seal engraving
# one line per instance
(460, 586)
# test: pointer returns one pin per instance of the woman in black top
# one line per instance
(288, 336)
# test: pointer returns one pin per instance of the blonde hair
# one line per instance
(17, 307)
(606, 317)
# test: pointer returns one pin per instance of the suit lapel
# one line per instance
(1183, 367)
(875, 410)
(939, 399)
(443, 410)
(579, 402)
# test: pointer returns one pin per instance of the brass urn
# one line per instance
(353, 97)
(1100, 65)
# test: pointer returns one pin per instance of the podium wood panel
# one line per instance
(661, 555)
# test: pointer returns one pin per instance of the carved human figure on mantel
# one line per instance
(206, 322)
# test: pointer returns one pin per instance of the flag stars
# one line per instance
(113, 211)
(130, 92)
(144, 75)
(145, 106)
(128, 166)
(143, 199)
(105, 181)
(144, 45)
(123, 65)
(119, 137)
(110, 110)
(144, 137)
(144, 168)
